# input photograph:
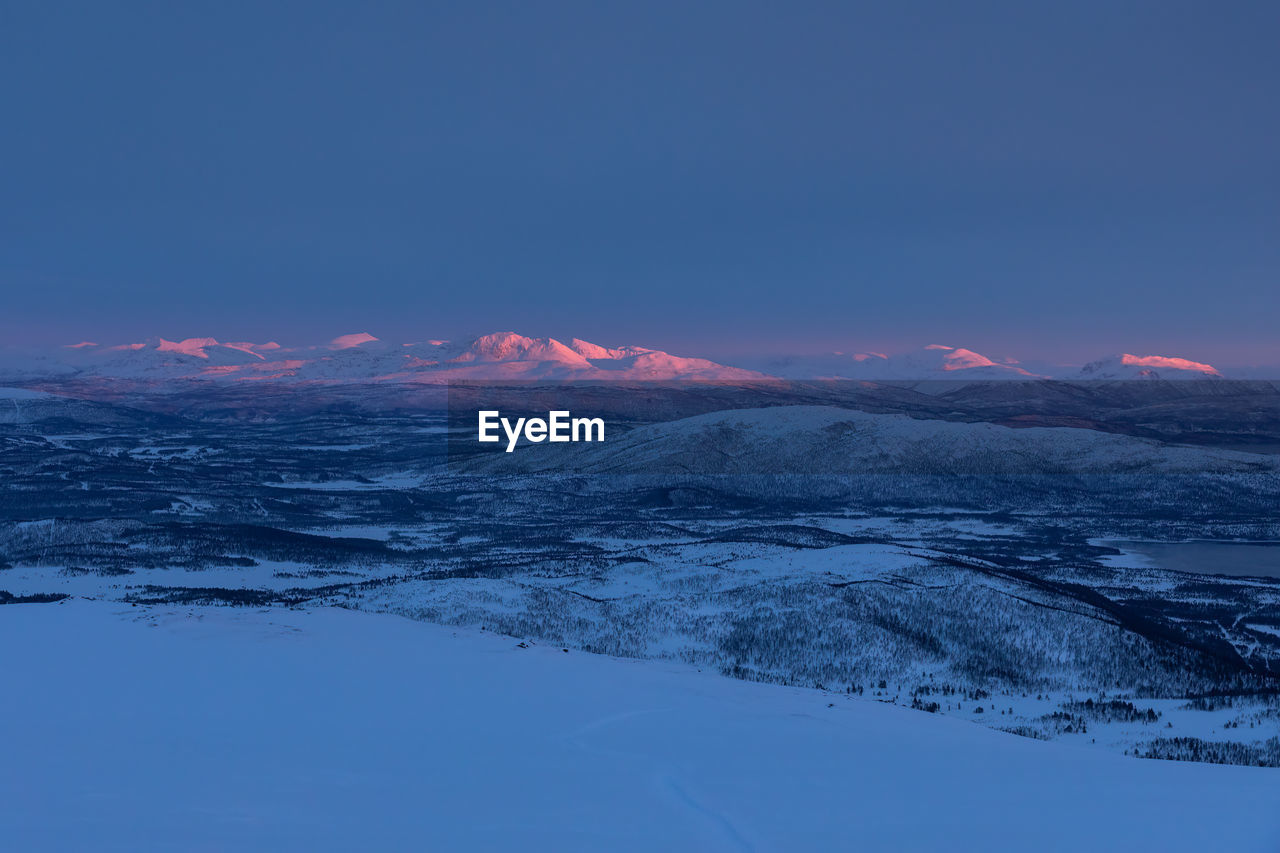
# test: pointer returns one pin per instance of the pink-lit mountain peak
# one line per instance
(594, 351)
(351, 341)
(210, 349)
(362, 357)
(202, 348)
(1167, 362)
(509, 346)
(194, 347)
(510, 355)
(958, 358)
(1129, 366)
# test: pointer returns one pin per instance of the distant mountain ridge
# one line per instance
(362, 357)
(937, 361)
(933, 361)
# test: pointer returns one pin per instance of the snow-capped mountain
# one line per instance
(1127, 366)
(505, 355)
(957, 363)
(935, 361)
(159, 358)
(363, 357)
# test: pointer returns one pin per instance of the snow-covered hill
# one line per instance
(229, 728)
(21, 406)
(830, 440)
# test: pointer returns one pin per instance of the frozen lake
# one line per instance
(1202, 556)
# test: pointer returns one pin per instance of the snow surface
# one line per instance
(24, 394)
(144, 728)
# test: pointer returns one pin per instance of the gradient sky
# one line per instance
(1031, 179)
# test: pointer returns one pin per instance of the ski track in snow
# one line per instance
(665, 777)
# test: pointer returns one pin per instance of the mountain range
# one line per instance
(362, 357)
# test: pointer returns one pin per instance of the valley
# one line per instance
(1001, 595)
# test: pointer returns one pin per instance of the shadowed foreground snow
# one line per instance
(209, 729)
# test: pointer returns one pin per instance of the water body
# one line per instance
(1202, 556)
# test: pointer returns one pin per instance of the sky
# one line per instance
(1042, 180)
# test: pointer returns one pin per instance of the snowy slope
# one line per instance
(24, 406)
(24, 394)
(164, 728)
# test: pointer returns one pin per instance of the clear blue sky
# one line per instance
(1062, 179)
